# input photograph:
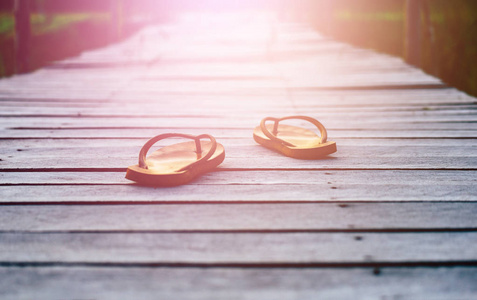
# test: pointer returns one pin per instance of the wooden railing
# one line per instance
(22, 35)
(438, 36)
(412, 32)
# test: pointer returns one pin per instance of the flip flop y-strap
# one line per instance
(152, 141)
(273, 135)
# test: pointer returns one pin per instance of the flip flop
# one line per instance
(178, 163)
(292, 141)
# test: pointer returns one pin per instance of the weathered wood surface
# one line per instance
(144, 133)
(236, 192)
(113, 282)
(249, 177)
(238, 157)
(399, 195)
(65, 186)
(240, 248)
(233, 217)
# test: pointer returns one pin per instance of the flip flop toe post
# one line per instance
(293, 141)
(178, 163)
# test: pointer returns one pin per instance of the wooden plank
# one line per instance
(303, 98)
(239, 248)
(251, 177)
(230, 137)
(240, 193)
(342, 98)
(260, 161)
(298, 73)
(239, 157)
(146, 128)
(37, 110)
(128, 147)
(427, 131)
(235, 283)
(347, 217)
(310, 74)
(72, 110)
(185, 119)
(380, 98)
(255, 63)
(149, 94)
(153, 91)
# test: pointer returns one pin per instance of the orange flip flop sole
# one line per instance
(164, 163)
(307, 143)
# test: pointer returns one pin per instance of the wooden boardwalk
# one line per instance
(391, 215)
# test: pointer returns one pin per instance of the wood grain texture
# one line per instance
(320, 192)
(306, 98)
(42, 144)
(438, 131)
(226, 283)
(239, 248)
(235, 121)
(56, 110)
(246, 154)
(252, 177)
(359, 217)
(270, 160)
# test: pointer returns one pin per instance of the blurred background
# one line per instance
(439, 36)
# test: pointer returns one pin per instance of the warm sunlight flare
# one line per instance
(238, 149)
(29, 27)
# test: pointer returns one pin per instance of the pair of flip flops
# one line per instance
(182, 162)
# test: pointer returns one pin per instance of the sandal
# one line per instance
(292, 141)
(178, 163)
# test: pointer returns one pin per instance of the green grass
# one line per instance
(42, 24)
(7, 22)
(386, 16)
(379, 30)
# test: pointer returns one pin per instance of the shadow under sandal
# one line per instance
(178, 163)
(293, 141)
